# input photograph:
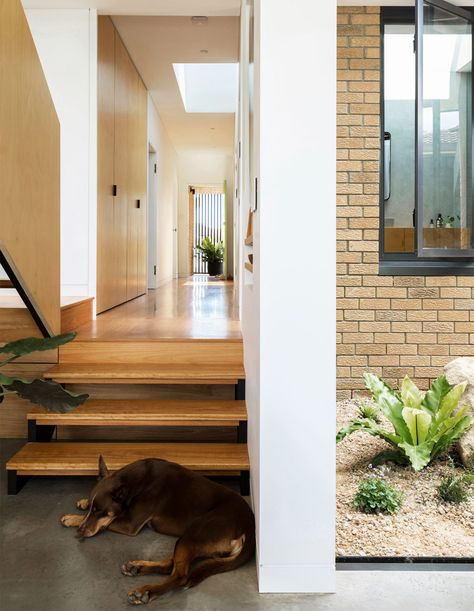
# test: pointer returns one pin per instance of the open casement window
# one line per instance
(427, 218)
(444, 120)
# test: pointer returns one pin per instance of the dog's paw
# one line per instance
(139, 597)
(130, 569)
(83, 504)
(71, 520)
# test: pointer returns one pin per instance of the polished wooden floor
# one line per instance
(186, 308)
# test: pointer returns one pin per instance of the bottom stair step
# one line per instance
(78, 458)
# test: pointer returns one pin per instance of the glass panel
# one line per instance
(399, 141)
(444, 141)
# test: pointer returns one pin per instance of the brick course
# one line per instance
(389, 325)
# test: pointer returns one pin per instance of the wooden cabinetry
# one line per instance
(122, 173)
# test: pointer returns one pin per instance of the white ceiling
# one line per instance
(155, 43)
(145, 7)
(158, 33)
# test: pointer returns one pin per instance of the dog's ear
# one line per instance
(120, 494)
(103, 471)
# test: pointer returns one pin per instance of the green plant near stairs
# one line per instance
(48, 394)
(424, 426)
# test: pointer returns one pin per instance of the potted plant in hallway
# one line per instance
(213, 254)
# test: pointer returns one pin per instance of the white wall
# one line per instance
(166, 189)
(203, 168)
(289, 306)
(67, 46)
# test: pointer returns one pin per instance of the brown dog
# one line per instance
(215, 526)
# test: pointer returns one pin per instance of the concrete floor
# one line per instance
(44, 568)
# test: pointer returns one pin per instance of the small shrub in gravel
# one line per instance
(375, 495)
(371, 412)
(455, 488)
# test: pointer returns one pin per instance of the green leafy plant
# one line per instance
(455, 488)
(423, 426)
(48, 394)
(375, 495)
(370, 411)
(212, 253)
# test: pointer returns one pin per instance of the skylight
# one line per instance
(208, 87)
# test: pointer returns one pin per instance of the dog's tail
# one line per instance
(212, 566)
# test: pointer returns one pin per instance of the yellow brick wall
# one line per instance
(389, 325)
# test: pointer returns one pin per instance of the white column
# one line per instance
(290, 311)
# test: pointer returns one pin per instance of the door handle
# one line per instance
(387, 165)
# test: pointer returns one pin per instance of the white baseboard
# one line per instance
(310, 579)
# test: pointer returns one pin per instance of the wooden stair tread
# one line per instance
(80, 458)
(146, 413)
(146, 372)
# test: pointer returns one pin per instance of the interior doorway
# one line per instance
(152, 216)
(207, 219)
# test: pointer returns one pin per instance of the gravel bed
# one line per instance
(423, 527)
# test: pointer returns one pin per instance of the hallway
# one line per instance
(186, 308)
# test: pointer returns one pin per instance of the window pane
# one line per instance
(399, 142)
(445, 162)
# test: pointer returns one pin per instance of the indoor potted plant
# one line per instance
(213, 254)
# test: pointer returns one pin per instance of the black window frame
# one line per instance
(408, 264)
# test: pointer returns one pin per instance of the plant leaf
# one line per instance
(418, 422)
(451, 436)
(411, 396)
(369, 426)
(450, 402)
(5, 380)
(389, 402)
(21, 347)
(48, 394)
(419, 455)
(439, 389)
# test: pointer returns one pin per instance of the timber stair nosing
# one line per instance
(149, 374)
(81, 457)
(148, 371)
(146, 413)
(82, 338)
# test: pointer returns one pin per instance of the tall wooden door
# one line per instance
(122, 176)
(106, 239)
(125, 79)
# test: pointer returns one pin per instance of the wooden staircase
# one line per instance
(153, 363)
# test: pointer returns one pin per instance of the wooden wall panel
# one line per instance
(121, 168)
(121, 239)
(142, 136)
(29, 168)
(106, 254)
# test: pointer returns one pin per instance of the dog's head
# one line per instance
(106, 502)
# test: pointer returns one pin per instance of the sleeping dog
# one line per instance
(215, 525)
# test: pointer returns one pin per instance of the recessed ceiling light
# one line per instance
(199, 20)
